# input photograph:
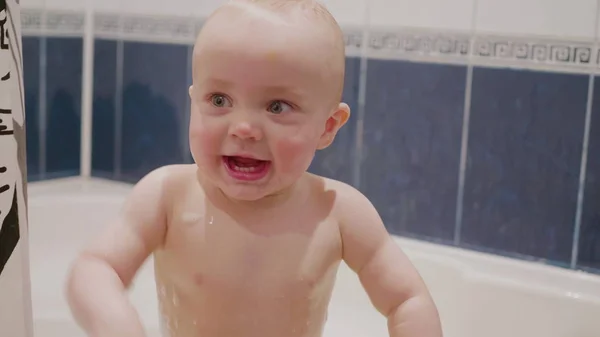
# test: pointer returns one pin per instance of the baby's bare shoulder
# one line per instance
(179, 176)
(348, 199)
(164, 182)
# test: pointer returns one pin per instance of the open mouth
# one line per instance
(247, 169)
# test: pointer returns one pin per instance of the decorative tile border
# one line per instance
(59, 23)
(145, 28)
(413, 44)
(550, 54)
(535, 53)
(393, 44)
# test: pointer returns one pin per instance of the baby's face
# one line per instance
(262, 103)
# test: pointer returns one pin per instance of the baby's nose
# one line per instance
(245, 130)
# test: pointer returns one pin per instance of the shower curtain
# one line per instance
(15, 292)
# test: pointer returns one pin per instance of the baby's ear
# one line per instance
(337, 119)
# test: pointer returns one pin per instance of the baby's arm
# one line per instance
(391, 281)
(97, 283)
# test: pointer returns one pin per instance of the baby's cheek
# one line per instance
(203, 138)
(295, 153)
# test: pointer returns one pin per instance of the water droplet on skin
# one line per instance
(191, 218)
(211, 220)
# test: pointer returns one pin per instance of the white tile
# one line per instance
(157, 7)
(111, 6)
(434, 14)
(550, 18)
(67, 5)
(33, 3)
(345, 14)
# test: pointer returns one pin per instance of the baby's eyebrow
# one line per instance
(290, 92)
(215, 82)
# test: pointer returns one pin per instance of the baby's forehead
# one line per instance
(309, 9)
(255, 34)
(268, 37)
(302, 15)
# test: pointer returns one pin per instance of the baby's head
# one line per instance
(267, 84)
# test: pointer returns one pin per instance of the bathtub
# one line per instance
(478, 295)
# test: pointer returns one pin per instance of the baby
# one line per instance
(245, 240)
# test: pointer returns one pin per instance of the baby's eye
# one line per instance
(278, 107)
(220, 101)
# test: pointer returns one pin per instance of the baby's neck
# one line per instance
(273, 200)
(293, 193)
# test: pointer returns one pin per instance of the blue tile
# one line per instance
(103, 129)
(589, 240)
(154, 103)
(337, 161)
(412, 137)
(523, 162)
(31, 82)
(63, 104)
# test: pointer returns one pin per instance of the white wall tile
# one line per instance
(551, 18)
(112, 6)
(156, 7)
(435, 14)
(345, 14)
(597, 28)
(33, 3)
(69, 5)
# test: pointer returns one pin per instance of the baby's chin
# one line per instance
(237, 196)
(254, 193)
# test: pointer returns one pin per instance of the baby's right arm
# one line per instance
(97, 285)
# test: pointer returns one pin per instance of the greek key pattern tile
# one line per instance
(36, 22)
(166, 30)
(415, 45)
(107, 25)
(550, 52)
(353, 37)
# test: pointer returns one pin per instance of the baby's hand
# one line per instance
(99, 278)
(99, 302)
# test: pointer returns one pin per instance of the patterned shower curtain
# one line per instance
(15, 293)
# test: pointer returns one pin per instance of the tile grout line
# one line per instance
(118, 123)
(361, 101)
(584, 153)
(465, 131)
(87, 95)
(582, 174)
(463, 156)
(42, 109)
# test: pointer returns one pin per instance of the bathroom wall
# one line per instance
(471, 127)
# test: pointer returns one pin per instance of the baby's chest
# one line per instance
(216, 252)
